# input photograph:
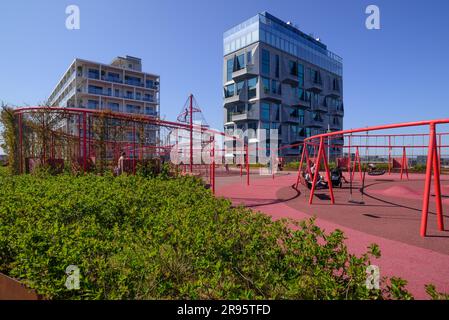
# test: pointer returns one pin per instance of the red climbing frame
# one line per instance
(433, 163)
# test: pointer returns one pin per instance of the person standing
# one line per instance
(121, 162)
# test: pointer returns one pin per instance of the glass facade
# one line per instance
(265, 61)
(269, 29)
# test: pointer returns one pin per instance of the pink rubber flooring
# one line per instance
(390, 217)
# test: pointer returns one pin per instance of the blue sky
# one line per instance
(398, 73)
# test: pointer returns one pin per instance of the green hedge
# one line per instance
(139, 238)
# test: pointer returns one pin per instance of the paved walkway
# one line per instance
(387, 218)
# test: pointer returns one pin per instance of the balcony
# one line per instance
(288, 115)
(290, 79)
(236, 97)
(314, 122)
(315, 86)
(333, 93)
(336, 111)
(335, 127)
(247, 72)
(243, 116)
(270, 96)
(99, 92)
(320, 107)
(112, 79)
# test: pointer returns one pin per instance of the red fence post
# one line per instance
(389, 155)
(328, 175)
(300, 165)
(430, 155)
(349, 156)
(317, 170)
(437, 186)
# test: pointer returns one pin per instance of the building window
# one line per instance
(301, 116)
(301, 74)
(95, 89)
(275, 110)
(134, 81)
(239, 62)
(336, 85)
(113, 106)
(229, 91)
(149, 111)
(117, 92)
(239, 85)
(249, 57)
(264, 111)
(276, 87)
(150, 84)
(315, 77)
(148, 97)
(113, 77)
(277, 66)
(293, 68)
(93, 74)
(252, 88)
(229, 68)
(92, 104)
(265, 61)
(266, 85)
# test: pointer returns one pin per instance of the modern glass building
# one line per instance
(277, 77)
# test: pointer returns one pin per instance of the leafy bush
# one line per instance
(139, 238)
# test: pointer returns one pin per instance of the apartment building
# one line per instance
(120, 86)
(277, 77)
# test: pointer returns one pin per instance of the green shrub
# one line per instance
(139, 238)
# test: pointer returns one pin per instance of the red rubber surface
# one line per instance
(390, 217)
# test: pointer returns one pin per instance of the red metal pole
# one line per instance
(437, 186)
(349, 156)
(300, 166)
(191, 132)
(430, 155)
(328, 176)
(389, 155)
(317, 170)
(20, 145)
(439, 153)
(403, 161)
(307, 160)
(84, 142)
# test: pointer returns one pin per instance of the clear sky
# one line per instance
(394, 74)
